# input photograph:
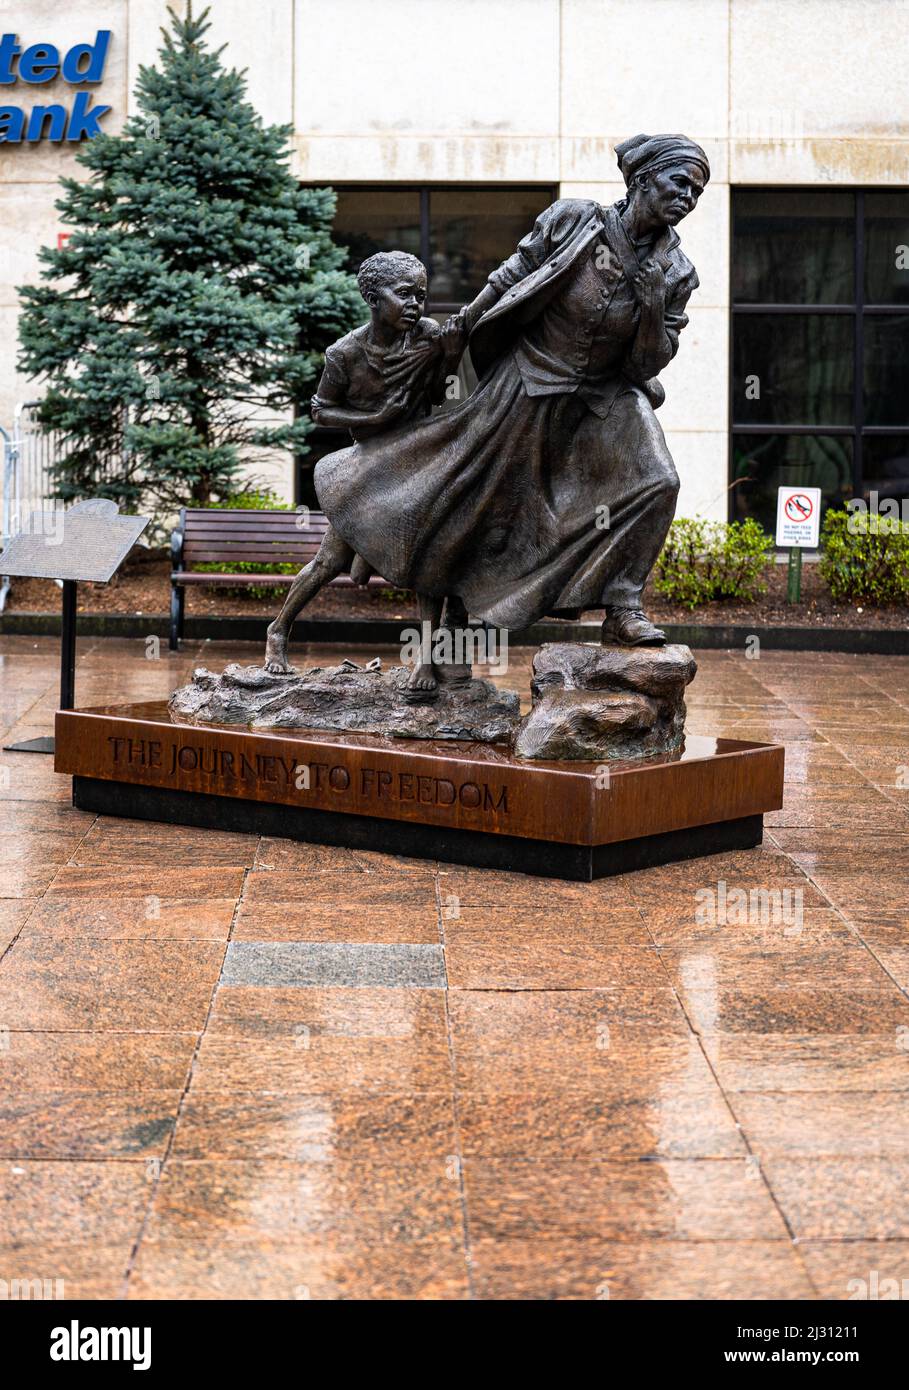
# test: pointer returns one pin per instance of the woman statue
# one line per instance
(551, 487)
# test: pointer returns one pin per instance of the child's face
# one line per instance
(400, 302)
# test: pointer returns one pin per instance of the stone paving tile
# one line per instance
(490, 888)
(412, 890)
(61, 983)
(742, 964)
(670, 1199)
(797, 1010)
(122, 919)
(25, 880)
(700, 892)
(307, 1065)
(862, 893)
(852, 808)
(14, 912)
(30, 786)
(323, 1267)
(21, 817)
(366, 1013)
(318, 1128)
(544, 1021)
(389, 865)
(51, 847)
(824, 1124)
(564, 1267)
(820, 765)
(142, 843)
(326, 921)
(858, 1269)
(609, 1062)
(95, 1271)
(311, 1041)
(130, 882)
(841, 1062)
(54, 1125)
(306, 963)
(755, 865)
(7, 937)
(90, 1062)
(535, 963)
(640, 1119)
(280, 1201)
(613, 1097)
(506, 926)
(75, 1203)
(842, 1198)
(292, 856)
(806, 930)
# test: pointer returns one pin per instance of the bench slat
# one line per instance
(235, 545)
(238, 538)
(225, 537)
(182, 578)
(288, 521)
(246, 512)
(298, 558)
(260, 520)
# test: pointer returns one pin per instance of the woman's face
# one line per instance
(669, 194)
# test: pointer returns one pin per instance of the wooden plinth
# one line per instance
(459, 802)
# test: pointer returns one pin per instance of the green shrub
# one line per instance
(703, 561)
(255, 500)
(865, 557)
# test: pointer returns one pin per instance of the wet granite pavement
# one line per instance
(240, 1067)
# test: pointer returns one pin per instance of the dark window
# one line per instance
(459, 233)
(820, 345)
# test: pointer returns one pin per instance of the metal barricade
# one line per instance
(28, 457)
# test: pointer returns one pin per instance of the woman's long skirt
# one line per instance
(518, 504)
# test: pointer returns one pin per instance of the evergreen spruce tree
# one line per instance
(194, 298)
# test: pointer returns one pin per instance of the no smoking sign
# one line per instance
(798, 516)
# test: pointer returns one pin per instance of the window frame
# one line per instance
(858, 430)
(424, 191)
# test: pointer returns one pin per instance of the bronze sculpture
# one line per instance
(550, 489)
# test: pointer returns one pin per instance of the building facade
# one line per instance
(446, 124)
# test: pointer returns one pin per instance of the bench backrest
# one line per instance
(226, 536)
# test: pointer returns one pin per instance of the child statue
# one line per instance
(390, 371)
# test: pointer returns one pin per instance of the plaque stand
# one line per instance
(45, 744)
(95, 541)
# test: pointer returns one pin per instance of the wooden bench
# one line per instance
(226, 537)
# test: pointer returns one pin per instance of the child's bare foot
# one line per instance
(423, 682)
(276, 653)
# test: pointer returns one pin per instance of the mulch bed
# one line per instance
(144, 588)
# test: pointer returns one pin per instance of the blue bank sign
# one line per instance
(81, 65)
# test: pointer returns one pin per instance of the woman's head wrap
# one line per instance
(644, 153)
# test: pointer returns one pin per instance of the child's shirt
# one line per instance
(361, 375)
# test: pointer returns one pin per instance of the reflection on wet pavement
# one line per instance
(241, 1067)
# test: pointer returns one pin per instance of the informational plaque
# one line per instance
(87, 542)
